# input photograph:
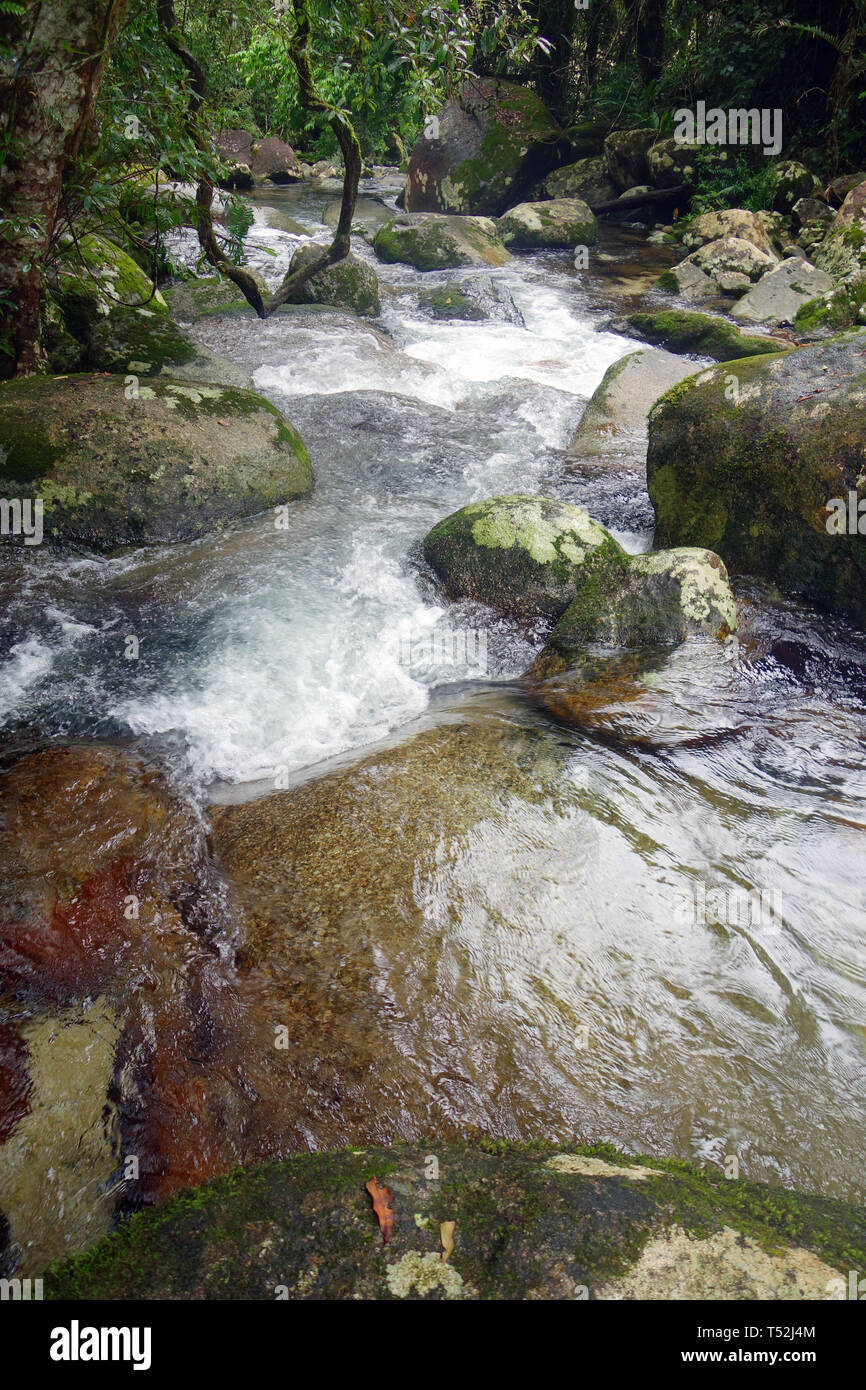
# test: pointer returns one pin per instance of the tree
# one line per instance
(54, 54)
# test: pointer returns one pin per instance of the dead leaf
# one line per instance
(227, 423)
(446, 1235)
(382, 1198)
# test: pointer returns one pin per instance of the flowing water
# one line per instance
(607, 937)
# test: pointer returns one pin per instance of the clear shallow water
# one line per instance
(265, 652)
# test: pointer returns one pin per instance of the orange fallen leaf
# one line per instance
(382, 1198)
(446, 1235)
(227, 423)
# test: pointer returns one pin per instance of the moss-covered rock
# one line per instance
(615, 419)
(351, 284)
(791, 181)
(561, 222)
(522, 555)
(747, 460)
(140, 343)
(779, 296)
(706, 335)
(484, 150)
(729, 222)
(733, 255)
(119, 462)
(430, 241)
(687, 281)
(654, 599)
(94, 277)
(586, 179)
(842, 307)
(843, 250)
(625, 156)
(531, 1221)
(672, 162)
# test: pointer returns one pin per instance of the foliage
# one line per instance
(745, 183)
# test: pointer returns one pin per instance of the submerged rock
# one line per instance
(486, 148)
(429, 241)
(752, 472)
(530, 1222)
(561, 222)
(521, 555)
(615, 419)
(472, 300)
(351, 284)
(115, 463)
(705, 335)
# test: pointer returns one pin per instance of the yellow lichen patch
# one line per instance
(424, 1273)
(725, 1265)
(588, 1167)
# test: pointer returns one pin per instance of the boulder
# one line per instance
(521, 555)
(705, 335)
(841, 187)
(528, 1221)
(140, 343)
(93, 278)
(843, 250)
(586, 179)
(275, 160)
(777, 297)
(671, 163)
(810, 210)
(790, 182)
(471, 300)
(841, 307)
(687, 281)
(752, 472)
(119, 463)
(351, 284)
(235, 149)
(433, 241)
(560, 223)
(615, 419)
(650, 600)
(625, 157)
(731, 222)
(485, 149)
(732, 255)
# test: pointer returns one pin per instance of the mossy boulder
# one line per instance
(730, 222)
(139, 343)
(790, 182)
(520, 555)
(671, 163)
(842, 307)
(117, 463)
(843, 250)
(93, 278)
(531, 1221)
(472, 300)
(351, 284)
(615, 419)
(653, 599)
(705, 335)
(749, 468)
(586, 179)
(432, 241)
(733, 256)
(625, 157)
(485, 149)
(559, 223)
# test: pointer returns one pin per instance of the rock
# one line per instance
(173, 461)
(94, 278)
(520, 555)
(143, 344)
(430, 241)
(670, 163)
(753, 477)
(586, 179)
(841, 307)
(792, 181)
(843, 250)
(648, 600)
(810, 210)
(625, 156)
(472, 300)
(777, 297)
(732, 222)
(560, 223)
(234, 146)
(841, 187)
(275, 160)
(205, 296)
(487, 147)
(615, 420)
(351, 284)
(733, 255)
(532, 1221)
(705, 335)
(688, 281)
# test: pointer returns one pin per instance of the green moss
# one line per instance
(706, 335)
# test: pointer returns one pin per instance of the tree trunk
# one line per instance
(55, 57)
(553, 75)
(649, 39)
